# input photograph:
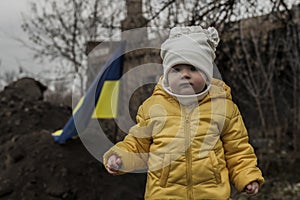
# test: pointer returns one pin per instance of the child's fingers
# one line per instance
(252, 189)
(113, 164)
(249, 187)
(118, 162)
(256, 190)
(112, 171)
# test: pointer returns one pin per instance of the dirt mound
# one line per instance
(33, 167)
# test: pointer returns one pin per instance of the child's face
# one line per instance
(186, 79)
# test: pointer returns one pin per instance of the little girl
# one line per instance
(189, 134)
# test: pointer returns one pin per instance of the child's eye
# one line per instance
(176, 69)
(193, 68)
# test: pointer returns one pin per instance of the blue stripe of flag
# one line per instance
(112, 70)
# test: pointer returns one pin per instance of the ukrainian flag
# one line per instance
(100, 101)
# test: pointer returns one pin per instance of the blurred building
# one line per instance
(134, 32)
(265, 23)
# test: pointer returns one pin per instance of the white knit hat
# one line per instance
(190, 45)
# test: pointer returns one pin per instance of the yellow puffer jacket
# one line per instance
(189, 153)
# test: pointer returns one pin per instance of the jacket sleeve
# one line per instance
(239, 154)
(134, 149)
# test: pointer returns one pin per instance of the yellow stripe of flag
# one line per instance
(108, 101)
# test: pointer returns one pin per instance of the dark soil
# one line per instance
(33, 167)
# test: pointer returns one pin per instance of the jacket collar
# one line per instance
(217, 89)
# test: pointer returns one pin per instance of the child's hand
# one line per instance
(113, 164)
(252, 188)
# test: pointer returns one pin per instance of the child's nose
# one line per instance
(185, 73)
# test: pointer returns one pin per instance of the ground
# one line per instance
(33, 167)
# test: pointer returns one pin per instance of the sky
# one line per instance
(12, 53)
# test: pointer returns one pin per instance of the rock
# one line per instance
(22, 109)
(29, 89)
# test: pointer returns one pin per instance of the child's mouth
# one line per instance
(184, 85)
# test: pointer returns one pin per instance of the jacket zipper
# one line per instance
(188, 154)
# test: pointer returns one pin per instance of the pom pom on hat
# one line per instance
(191, 45)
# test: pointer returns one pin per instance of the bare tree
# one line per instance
(8, 76)
(59, 94)
(60, 29)
(263, 67)
(255, 73)
(291, 48)
(170, 13)
(206, 13)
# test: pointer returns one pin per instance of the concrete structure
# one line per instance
(136, 37)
